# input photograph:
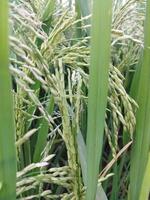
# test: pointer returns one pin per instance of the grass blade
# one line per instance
(98, 88)
(140, 151)
(7, 140)
(48, 10)
(43, 133)
(100, 194)
(144, 194)
(83, 9)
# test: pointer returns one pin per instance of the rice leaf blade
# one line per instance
(144, 193)
(7, 139)
(140, 151)
(98, 88)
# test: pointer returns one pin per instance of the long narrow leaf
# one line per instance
(144, 194)
(83, 9)
(7, 141)
(98, 88)
(100, 194)
(141, 143)
(42, 134)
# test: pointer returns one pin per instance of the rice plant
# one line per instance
(140, 152)
(7, 136)
(77, 128)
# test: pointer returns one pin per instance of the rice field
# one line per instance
(75, 100)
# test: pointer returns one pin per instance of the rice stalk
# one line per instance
(98, 89)
(7, 130)
(145, 189)
(140, 150)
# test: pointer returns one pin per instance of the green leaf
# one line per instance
(100, 194)
(144, 193)
(83, 9)
(43, 133)
(98, 89)
(141, 143)
(7, 139)
(48, 10)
